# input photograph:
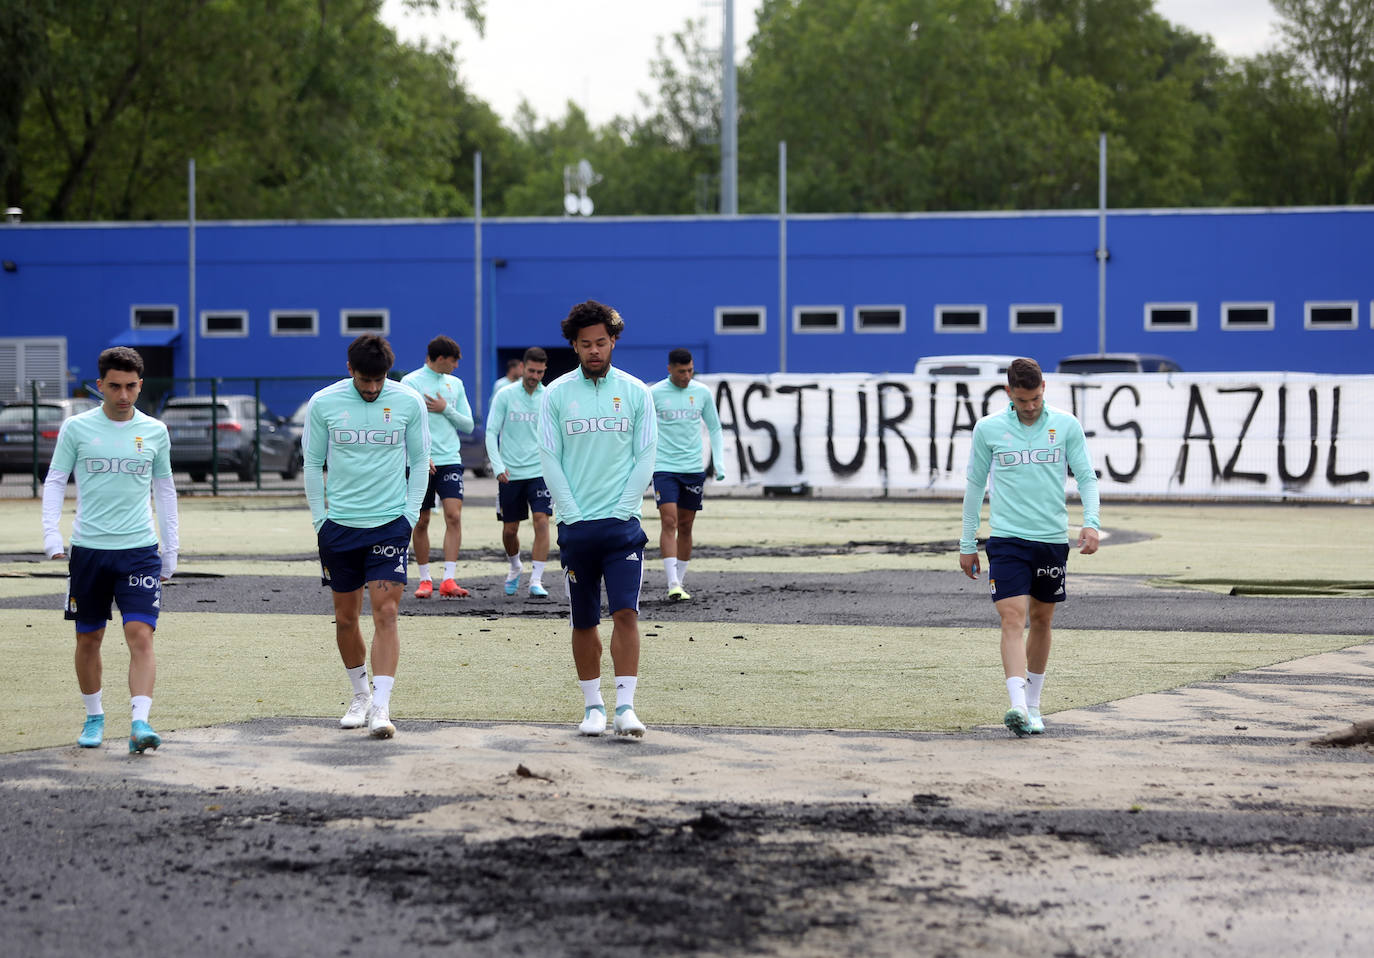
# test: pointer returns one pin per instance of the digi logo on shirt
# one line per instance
(128, 467)
(366, 437)
(1026, 457)
(576, 427)
(523, 417)
(668, 415)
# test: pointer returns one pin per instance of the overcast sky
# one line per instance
(597, 52)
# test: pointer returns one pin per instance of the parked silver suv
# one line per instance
(16, 432)
(190, 421)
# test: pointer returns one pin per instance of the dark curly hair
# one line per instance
(592, 313)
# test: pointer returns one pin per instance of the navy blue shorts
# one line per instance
(351, 558)
(601, 549)
(1022, 567)
(446, 482)
(517, 498)
(97, 578)
(684, 489)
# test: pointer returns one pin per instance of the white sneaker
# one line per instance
(1037, 724)
(356, 716)
(379, 722)
(593, 720)
(627, 722)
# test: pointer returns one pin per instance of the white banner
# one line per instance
(1261, 435)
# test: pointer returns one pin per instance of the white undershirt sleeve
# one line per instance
(165, 495)
(54, 492)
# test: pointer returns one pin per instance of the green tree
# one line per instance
(291, 108)
(1333, 42)
(1278, 135)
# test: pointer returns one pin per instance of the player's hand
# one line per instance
(720, 475)
(1088, 541)
(968, 561)
(503, 477)
(435, 403)
(432, 470)
(58, 555)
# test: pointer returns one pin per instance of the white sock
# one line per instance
(92, 703)
(536, 573)
(423, 569)
(670, 567)
(140, 706)
(381, 691)
(358, 679)
(625, 690)
(681, 571)
(450, 569)
(1016, 688)
(1035, 682)
(515, 567)
(591, 692)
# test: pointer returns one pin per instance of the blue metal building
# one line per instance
(1222, 290)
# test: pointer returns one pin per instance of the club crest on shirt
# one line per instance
(138, 443)
(615, 401)
(386, 414)
(691, 400)
(1051, 436)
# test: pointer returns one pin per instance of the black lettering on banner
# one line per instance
(886, 423)
(1290, 479)
(729, 423)
(934, 454)
(1230, 471)
(1196, 405)
(1074, 390)
(762, 465)
(987, 398)
(1129, 426)
(1332, 476)
(798, 462)
(961, 401)
(854, 465)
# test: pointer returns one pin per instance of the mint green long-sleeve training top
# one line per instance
(1028, 466)
(368, 447)
(597, 441)
(513, 432)
(680, 415)
(445, 443)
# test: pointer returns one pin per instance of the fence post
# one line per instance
(257, 430)
(214, 436)
(33, 388)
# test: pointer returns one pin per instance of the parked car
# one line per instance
(189, 421)
(16, 432)
(473, 450)
(969, 366)
(1117, 363)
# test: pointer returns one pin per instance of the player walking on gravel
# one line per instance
(679, 472)
(513, 449)
(117, 454)
(597, 436)
(449, 414)
(367, 429)
(1027, 448)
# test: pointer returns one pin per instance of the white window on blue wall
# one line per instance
(1331, 315)
(295, 322)
(152, 317)
(1247, 315)
(223, 323)
(967, 318)
(1170, 317)
(1036, 317)
(817, 319)
(741, 319)
(879, 319)
(355, 322)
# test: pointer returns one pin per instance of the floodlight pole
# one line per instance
(191, 272)
(782, 256)
(1102, 243)
(729, 113)
(477, 279)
